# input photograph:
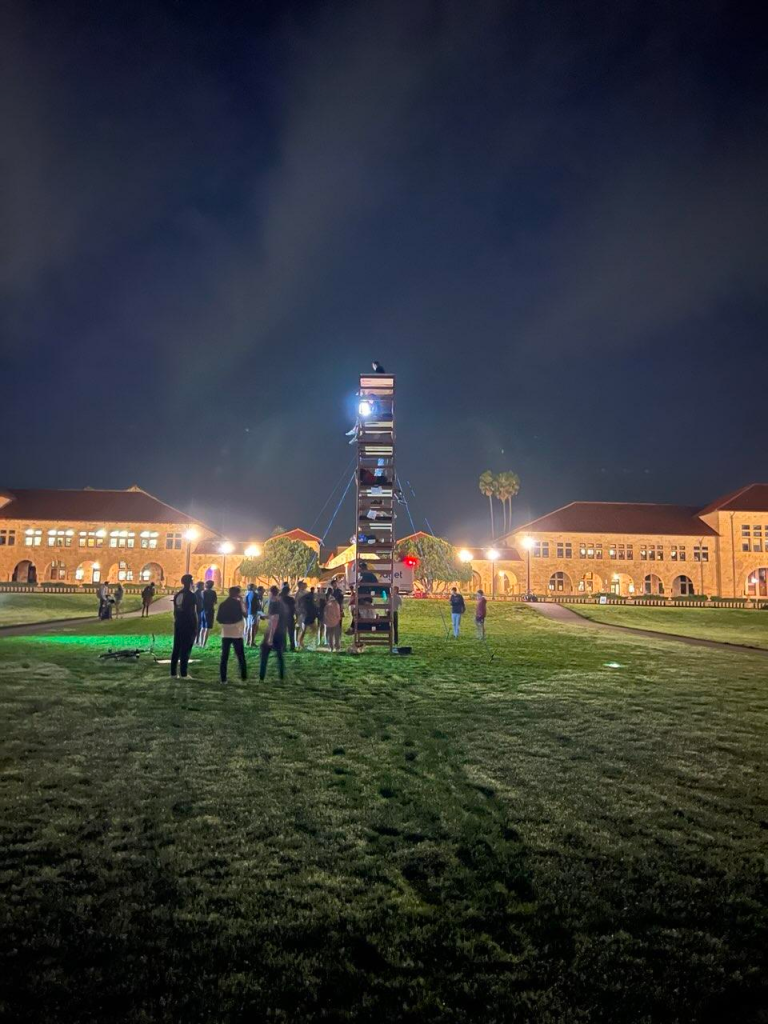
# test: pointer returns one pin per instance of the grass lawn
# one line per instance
(729, 625)
(23, 609)
(442, 838)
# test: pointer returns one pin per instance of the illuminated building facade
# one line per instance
(633, 549)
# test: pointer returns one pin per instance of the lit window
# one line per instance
(559, 583)
(91, 538)
(757, 583)
(7, 538)
(148, 539)
(757, 538)
(612, 551)
(60, 538)
(122, 539)
(677, 553)
(124, 574)
(173, 541)
(598, 550)
(33, 538)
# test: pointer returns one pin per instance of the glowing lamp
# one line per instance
(365, 408)
(491, 554)
(527, 543)
(411, 561)
(226, 548)
(465, 556)
(252, 551)
(191, 534)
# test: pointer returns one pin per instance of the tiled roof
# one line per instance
(752, 498)
(622, 517)
(297, 534)
(90, 506)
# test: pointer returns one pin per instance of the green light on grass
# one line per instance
(612, 664)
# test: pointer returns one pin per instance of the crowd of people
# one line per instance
(301, 619)
(292, 619)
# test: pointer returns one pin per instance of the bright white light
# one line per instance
(492, 554)
(365, 408)
(465, 556)
(226, 548)
(527, 543)
(191, 534)
(96, 565)
(252, 551)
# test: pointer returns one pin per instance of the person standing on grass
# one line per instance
(101, 592)
(457, 610)
(252, 609)
(185, 625)
(199, 599)
(307, 613)
(207, 615)
(480, 611)
(277, 627)
(321, 599)
(230, 616)
(332, 621)
(147, 597)
(119, 595)
(290, 608)
(397, 603)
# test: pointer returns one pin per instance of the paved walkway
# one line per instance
(162, 604)
(559, 613)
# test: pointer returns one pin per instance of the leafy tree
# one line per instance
(438, 562)
(281, 559)
(487, 485)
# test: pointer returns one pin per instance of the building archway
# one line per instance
(757, 583)
(56, 572)
(88, 572)
(508, 582)
(25, 572)
(652, 584)
(213, 572)
(622, 584)
(151, 573)
(590, 583)
(682, 586)
(120, 572)
(560, 583)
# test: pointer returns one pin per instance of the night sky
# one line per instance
(548, 219)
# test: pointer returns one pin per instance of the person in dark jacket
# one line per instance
(209, 600)
(457, 610)
(277, 627)
(230, 616)
(185, 624)
(252, 609)
(290, 607)
(481, 609)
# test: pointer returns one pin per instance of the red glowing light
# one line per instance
(411, 561)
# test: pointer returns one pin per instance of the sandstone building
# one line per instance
(626, 548)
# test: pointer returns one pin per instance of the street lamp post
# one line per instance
(189, 536)
(492, 555)
(528, 543)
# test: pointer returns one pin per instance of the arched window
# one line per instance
(682, 586)
(559, 583)
(652, 584)
(757, 583)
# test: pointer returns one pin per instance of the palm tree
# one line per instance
(487, 485)
(502, 493)
(511, 488)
